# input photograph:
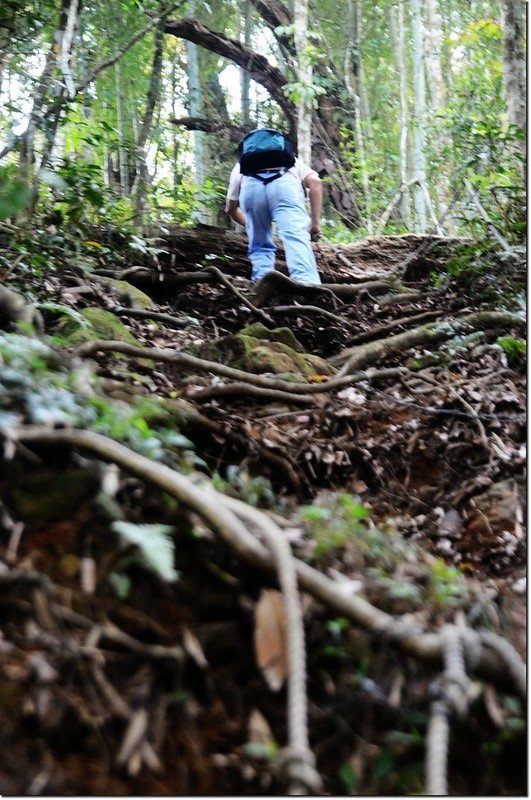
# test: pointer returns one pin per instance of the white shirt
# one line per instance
(299, 171)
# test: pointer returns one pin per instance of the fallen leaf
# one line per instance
(259, 731)
(451, 524)
(193, 648)
(270, 638)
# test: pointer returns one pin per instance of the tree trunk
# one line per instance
(433, 38)
(304, 79)
(122, 154)
(419, 94)
(140, 182)
(404, 113)
(195, 104)
(514, 65)
(245, 77)
(397, 29)
(353, 65)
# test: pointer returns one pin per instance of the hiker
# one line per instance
(266, 186)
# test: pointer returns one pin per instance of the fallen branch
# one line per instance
(213, 507)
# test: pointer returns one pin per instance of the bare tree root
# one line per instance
(222, 514)
(350, 291)
(376, 331)
(402, 299)
(226, 282)
(276, 283)
(157, 316)
(311, 311)
(357, 357)
(240, 388)
(249, 381)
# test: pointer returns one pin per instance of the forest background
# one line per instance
(131, 113)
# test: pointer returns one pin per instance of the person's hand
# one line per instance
(315, 232)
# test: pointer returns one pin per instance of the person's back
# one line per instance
(266, 186)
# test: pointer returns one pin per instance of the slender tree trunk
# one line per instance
(63, 46)
(397, 28)
(195, 105)
(122, 153)
(419, 94)
(66, 47)
(514, 64)
(361, 83)
(304, 78)
(353, 64)
(244, 75)
(433, 38)
(175, 142)
(140, 182)
(27, 150)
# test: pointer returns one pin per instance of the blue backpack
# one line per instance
(265, 148)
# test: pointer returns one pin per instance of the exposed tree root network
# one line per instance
(302, 569)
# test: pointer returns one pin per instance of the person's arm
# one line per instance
(315, 190)
(234, 211)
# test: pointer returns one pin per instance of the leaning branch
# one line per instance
(258, 67)
(235, 132)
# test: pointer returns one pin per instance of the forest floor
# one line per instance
(378, 422)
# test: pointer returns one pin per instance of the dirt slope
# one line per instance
(379, 420)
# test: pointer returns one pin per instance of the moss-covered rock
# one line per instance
(282, 335)
(129, 295)
(256, 349)
(101, 325)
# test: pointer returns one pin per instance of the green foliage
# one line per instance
(256, 491)
(155, 546)
(349, 777)
(447, 585)
(36, 386)
(515, 349)
(479, 269)
(264, 751)
(333, 527)
(14, 192)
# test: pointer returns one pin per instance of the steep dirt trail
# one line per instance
(371, 389)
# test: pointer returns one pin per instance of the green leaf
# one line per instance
(13, 198)
(120, 583)
(154, 543)
(348, 777)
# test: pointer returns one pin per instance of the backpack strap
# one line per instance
(278, 174)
